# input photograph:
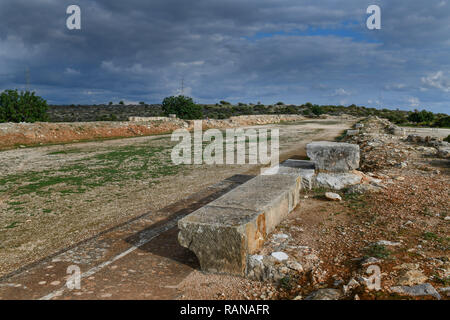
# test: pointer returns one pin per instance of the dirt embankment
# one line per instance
(17, 134)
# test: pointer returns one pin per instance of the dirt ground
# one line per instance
(52, 197)
(403, 228)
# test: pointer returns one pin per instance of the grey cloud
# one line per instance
(139, 50)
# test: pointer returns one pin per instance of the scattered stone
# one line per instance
(55, 283)
(294, 265)
(281, 236)
(333, 196)
(412, 277)
(445, 291)
(388, 243)
(352, 284)
(334, 156)
(325, 294)
(425, 289)
(336, 181)
(362, 188)
(352, 132)
(280, 256)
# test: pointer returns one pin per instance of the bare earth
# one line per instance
(141, 259)
(52, 197)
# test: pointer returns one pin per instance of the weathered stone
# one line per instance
(370, 260)
(363, 188)
(425, 289)
(223, 233)
(444, 151)
(352, 132)
(303, 168)
(333, 196)
(412, 277)
(388, 243)
(336, 181)
(280, 256)
(445, 291)
(325, 294)
(334, 156)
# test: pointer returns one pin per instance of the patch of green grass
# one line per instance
(12, 225)
(286, 283)
(444, 281)
(67, 151)
(377, 251)
(15, 203)
(122, 164)
(430, 236)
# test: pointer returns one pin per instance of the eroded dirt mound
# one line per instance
(21, 134)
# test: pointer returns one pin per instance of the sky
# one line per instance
(294, 51)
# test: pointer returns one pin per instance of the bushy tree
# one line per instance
(23, 106)
(184, 107)
(422, 116)
(317, 110)
(443, 122)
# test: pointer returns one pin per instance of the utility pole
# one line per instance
(27, 79)
(182, 86)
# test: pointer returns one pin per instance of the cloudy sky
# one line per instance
(241, 51)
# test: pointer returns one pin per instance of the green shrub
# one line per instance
(443, 122)
(224, 102)
(422, 116)
(183, 107)
(317, 110)
(22, 107)
(448, 138)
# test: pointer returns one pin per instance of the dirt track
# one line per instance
(56, 196)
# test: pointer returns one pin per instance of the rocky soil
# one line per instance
(395, 225)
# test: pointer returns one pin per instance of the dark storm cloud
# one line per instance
(258, 50)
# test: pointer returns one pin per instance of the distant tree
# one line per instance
(317, 110)
(142, 103)
(183, 107)
(443, 122)
(22, 106)
(110, 103)
(224, 102)
(121, 103)
(422, 116)
(280, 103)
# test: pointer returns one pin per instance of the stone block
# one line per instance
(336, 181)
(334, 156)
(223, 233)
(300, 168)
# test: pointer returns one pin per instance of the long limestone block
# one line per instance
(303, 168)
(334, 156)
(223, 233)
